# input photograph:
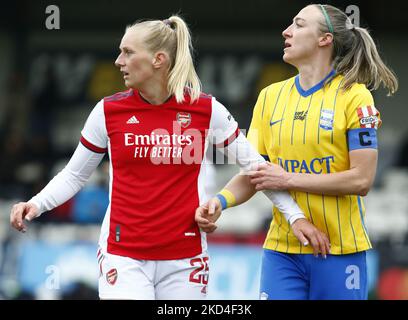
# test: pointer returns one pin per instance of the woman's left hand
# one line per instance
(269, 176)
(207, 214)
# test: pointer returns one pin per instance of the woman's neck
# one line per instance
(156, 97)
(310, 75)
(155, 92)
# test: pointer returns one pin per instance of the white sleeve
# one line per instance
(223, 127)
(69, 181)
(94, 131)
(248, 159)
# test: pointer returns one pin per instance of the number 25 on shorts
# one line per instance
(197, 276)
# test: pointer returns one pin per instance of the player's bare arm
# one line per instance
(357, 180)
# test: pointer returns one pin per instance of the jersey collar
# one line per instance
(140, 98)
(305, 93)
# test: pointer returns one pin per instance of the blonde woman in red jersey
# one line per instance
(155, 133)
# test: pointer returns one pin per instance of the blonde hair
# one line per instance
(173, 36)
(355, 54)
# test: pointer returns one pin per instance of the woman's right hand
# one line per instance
(20, 211)
(307, 233)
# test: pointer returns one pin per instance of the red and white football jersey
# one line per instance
(157, 171)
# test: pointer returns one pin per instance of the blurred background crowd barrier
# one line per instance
(50, 79)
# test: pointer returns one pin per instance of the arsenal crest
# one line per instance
(183, 119)
(112, 276)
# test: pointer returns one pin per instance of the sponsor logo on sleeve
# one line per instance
(368, 117)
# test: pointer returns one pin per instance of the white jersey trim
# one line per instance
(222, 123)
(94, 130)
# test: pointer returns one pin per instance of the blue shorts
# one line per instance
(287, 276)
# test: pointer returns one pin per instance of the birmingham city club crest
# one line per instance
(183, 119)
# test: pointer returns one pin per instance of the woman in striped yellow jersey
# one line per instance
(318, 130)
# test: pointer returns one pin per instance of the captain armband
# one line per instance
(226, 198)
(363, 138)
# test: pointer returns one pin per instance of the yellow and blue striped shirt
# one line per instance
(312, 131)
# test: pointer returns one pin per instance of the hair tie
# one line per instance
(326, 16)
(168, 23)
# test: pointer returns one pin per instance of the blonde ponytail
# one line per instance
(355, 54)
(363, 64)
(183, 74)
